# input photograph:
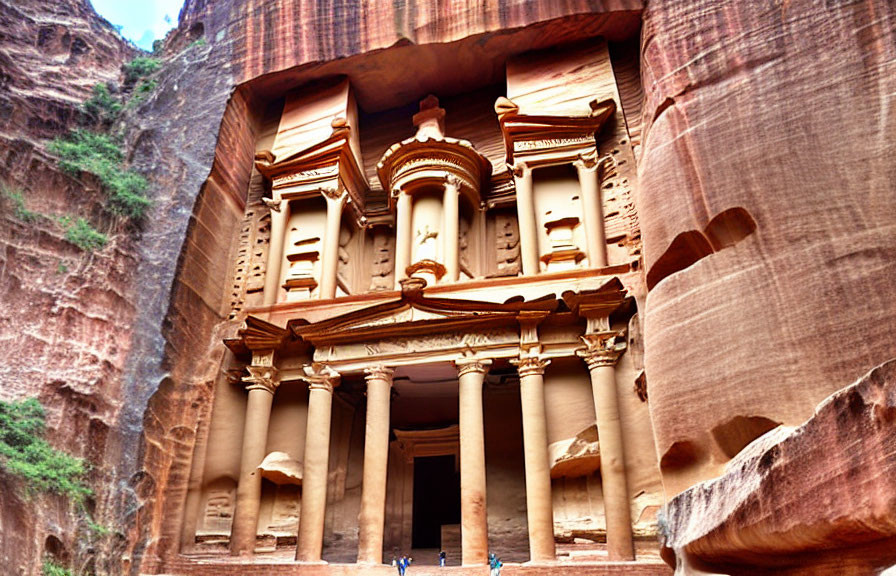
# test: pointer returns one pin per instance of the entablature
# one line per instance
(420, 328)
(536, 140)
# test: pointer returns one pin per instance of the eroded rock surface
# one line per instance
(816, 499)
(766, 205)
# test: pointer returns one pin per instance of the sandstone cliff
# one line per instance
(65, 317)
(766, 204)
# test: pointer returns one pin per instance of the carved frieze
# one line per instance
(534, 140)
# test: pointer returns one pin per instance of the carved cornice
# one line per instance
(319, 376)
(543, 140)
(468, 365)
(379, 372)
(602, 348)
(262, 378)
(530, 366)
(258, 335)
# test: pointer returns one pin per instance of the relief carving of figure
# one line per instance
(508, 244)
(343, 271)
(382, 263)
(463, 247)
(426, 244)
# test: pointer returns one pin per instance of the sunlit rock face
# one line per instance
(766, 196)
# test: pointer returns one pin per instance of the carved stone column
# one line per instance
(601, 354)
(376, 462)
(592, 204)
(473, 512)
(279, 216)
(330, 258)
(321, 381)
(525, 209)
(451, 234)
(539, 507)
(403, 233)
(262, 381)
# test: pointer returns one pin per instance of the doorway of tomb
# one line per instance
(436, 507)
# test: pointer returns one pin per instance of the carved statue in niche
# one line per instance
(463, 247)
(426, 244)
(382, 263)
(508, 244)
(343, 270)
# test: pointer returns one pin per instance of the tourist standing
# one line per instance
(442, 558)
(494, 564)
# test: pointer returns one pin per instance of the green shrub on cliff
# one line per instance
(102, 106)
(85, 151)
(51, 568)
(139, 67)
(79, 232)
(24, 452)
(142, 90)
(17, 198)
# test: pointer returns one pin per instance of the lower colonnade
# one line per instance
(481, 336)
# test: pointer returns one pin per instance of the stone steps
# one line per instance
(195, 566)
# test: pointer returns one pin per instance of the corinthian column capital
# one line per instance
(262, 378)
(321, 377)
(468, 365)
(379, 372)
(453, 181)
(334, 193)
(602, 348)
(530, 366)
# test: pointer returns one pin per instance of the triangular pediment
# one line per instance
(415, 314)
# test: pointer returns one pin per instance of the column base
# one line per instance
(312, 562)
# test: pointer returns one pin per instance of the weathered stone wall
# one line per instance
(65, 317)
(766, 205)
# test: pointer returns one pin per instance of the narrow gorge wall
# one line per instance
(766, 202)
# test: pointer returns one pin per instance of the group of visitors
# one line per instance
(494, 563)
(402, 564)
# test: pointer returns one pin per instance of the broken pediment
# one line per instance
(316, 148)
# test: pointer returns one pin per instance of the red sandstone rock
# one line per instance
(816, 499)
(766, 205)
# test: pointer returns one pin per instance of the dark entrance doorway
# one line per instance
(436, 499)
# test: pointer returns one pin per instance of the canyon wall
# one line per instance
(766, 204)
(65, 316)
(767, 210)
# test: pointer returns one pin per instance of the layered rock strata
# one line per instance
(766, 205)
(815, 499)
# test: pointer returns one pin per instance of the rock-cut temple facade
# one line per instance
(435, 339)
